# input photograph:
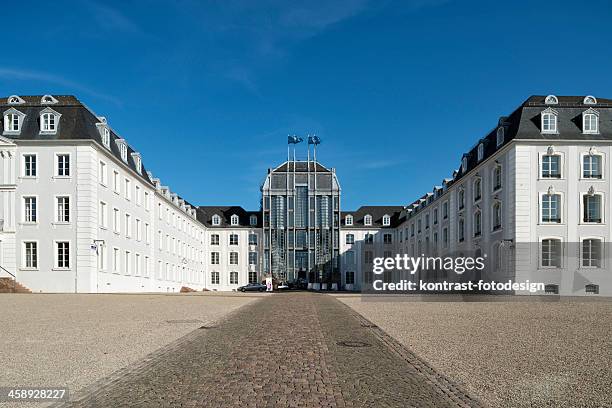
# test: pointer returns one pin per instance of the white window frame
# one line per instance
(216, 220)
(116, 220)
(602, 208)
(253, 220)
(45, 123)
(24, 167)
(386, 220)
(560, 210)
(116, 258)
(367, 220)
(103, 173)
(348, 220)
(601, 259)
(233, 274)
(230, 256)
(24, 259)
(500, 136)
(494, 227)
(9, 122)
(56, 254)
(602, 163)
(215, 258)
(561, 157)
(56, 209)
(590, 117)
(480, 152)
(215, 277)
(231, 239)
(57, 165)
(234, 220)
(541, 253)
(549, 121)
(24, 213)
(116, 182)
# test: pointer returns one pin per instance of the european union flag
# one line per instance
(294, 139)
(315, 140)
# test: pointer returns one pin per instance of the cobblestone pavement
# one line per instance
(289, 349)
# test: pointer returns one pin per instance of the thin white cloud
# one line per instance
(12, 74)
(112, 19)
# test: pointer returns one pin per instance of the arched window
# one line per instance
(497, 177)
(49, 121)
(461, 230)
(253, 220)
(461, 199)
(549, 121)
(464, 164)
(590, 122)
(348, 220)
(15, 100)
(367, 220)
(386, 220)
(480, 151)
(477, 189)
(234, 220)
(477, 223)
(551, 100)
(13, 120)
(497, 215)
(589, 100)
(48, 99)
(216, 220)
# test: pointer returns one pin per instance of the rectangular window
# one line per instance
(138, 230)
(252, 258)
(214, 278)
(214, 258)
(551, 208)
(233, 278)
(30, 209)
(103, 215)
(147, 201)
(116, 220)
(48, 122)
(101, 253)
(233, 258)
(252, 277)
(233, 239)
(445, 210)
(592, 208)
(62, 250)
(350, 239)
(116, 185)
(138, 266)
(138, 197)
(29, 165)
(128, 225)
(551, 166)
(147, 233)
(127, 262)
(30, 255)
(116, 260)
(592, 253)
(349, 278)
(128, 189)
(350, 258)
(102, 176)
(591, 166)
(551, 253)
(63, 165)
(252, 239)
(214, 239)
(63, 209)
(387, 238)
(369, 257)
(369, 238)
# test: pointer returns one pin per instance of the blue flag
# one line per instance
(315, 140)
(294, 139)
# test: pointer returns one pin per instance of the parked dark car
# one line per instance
(251, 287)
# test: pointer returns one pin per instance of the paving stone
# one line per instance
(290, 350)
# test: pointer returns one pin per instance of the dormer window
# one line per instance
(253, 220)
(15, 100)
(49, 121)
(590, 122)
(549, 121)
(348, 220)
(13, 119)
(137, 162)
(500, 136)
(367, 220)
(386, 220)
(216, 220)
(48, 100)
(464, 164)
(234, 220)
(123, 150)
(106, 137)
(551, 100)
(480, 152)
(589, 100)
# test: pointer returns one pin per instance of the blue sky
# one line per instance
(397, 90)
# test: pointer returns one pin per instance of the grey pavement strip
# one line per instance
(289, 349)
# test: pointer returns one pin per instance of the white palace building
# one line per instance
(79, 212)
